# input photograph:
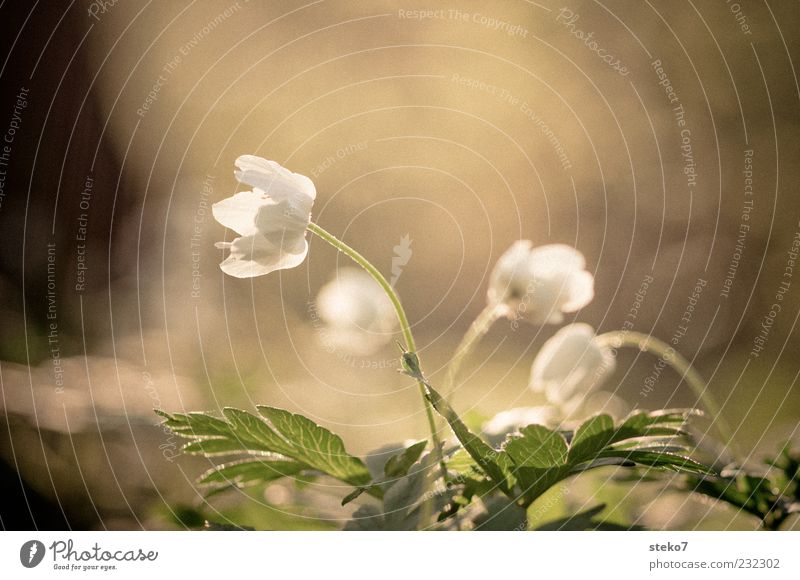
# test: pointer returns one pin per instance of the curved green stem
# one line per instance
(479, 327)
(405, 327)
(646, 343)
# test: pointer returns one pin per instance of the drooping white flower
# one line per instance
(358, 316)
(518, 417)
(540, 284)
(271, 218)
(571, 364)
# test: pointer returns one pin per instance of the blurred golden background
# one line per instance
(659, 138)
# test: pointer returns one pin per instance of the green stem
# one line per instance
(405, 327)
(479, 327)
(646, 343)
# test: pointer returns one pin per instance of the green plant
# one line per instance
(430, 484)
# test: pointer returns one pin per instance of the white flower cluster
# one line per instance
(540, 285)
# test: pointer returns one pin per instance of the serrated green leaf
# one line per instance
(209, 447)
(398, 465)
(601, 462)
(641, 424)
(639, 420)
(402, 501)
(661, 460)
(287, 435)
(496, 464)
(542, 458)
(462, 462)
(254, 433)
(316, 446)
(537, 446)
(534, 481)
(250, 472)
(591, 437)
(650, 446)
(196, 424)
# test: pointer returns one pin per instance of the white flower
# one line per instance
(518, 417)
(571, 364)
(540, 284)
(358, 315)
(271, 219)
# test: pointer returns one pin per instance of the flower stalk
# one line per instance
(477, 330)
(405, 327)
(683, 367)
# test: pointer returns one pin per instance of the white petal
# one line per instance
(540, 284)
(580, 291)
(239, 211)
(554, 317)
(556, 359)
(556, 258)
(543, 302)
(257, 255)
(275, 180)
(286, 215)
(511, 275)
(570, 364)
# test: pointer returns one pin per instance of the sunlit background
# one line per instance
(458, 127)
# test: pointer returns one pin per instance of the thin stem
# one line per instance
(479, 327)
(646, 343)
(405, 327)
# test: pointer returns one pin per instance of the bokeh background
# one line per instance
(460, 125)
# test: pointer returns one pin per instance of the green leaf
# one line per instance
(537, 446)
(316, 446)
(355, 494)
(402, 502)
(286, 436)
(398, 465)
(542, 458)
(250, 472)
(254, 433)
(496, 464)
(211, 447)
(195, 424)
(639, 422)
(650, 457)
(534, 481)
(462, 463)
(395, 467)
(591, 437)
